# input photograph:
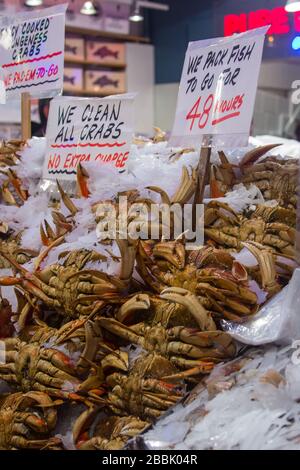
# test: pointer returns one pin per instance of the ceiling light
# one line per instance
(136, 14)
(88, 8)
(33, 3)
(292, 6)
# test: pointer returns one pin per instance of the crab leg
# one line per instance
(215, 343)
(82, 177)
(253, 155)
(267, 266)
(186, 188)
(192, 368)
(67, 200)
(120, 330)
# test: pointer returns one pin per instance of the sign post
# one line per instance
(81, 130)
(202, 173)
(25, 116)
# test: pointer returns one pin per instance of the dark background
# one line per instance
(190, 20)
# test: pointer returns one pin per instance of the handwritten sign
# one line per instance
(217, 89)
(87, 129)
(32, 52)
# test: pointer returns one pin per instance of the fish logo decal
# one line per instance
(69, 80)
(72, 50)
(104, 52)
(104, 81)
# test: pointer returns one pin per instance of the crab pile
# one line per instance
(122, 329)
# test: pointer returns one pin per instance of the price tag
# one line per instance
(32, 52)
(217, 90)
(88, 129)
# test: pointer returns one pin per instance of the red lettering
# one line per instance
(53, 162)
(235, 24)
(297, 21)
(277, 17)
(259, 18)
(67, 160)
(280, 21)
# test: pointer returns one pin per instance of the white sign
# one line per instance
(217, 90)
(87, 129)
(32, 52)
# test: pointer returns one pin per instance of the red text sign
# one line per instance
(278, 18)
(217, 89)
(82, 129)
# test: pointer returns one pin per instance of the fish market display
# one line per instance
(118, 331)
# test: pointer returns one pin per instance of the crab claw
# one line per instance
(187, 187)
(47, 234)
(7, 196)
(15, 181)
(3, 227)
(82, 177)
(191, 302)
(253, 155)
(164, 196)
(239, 271)
(116, 360)
(138, 302)
(67, 200)
(215, 183)
(267, 266)
(82, 423)
(173, 252)
(159, 136)
(61, 223)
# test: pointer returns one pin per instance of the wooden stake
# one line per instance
(25, 116)
(202, 177)
(202, 172)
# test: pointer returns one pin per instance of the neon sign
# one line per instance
(278, 18)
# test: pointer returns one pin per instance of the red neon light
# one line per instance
(277, 18)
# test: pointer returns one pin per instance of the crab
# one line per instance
(270, 226)
(9, 152)
(12, 190)
(54, 361)
(26, 421)
(110, 433)
(220, 282)
(145, 389)
(69, 288)
(10, 243)
(277, 179)
(224, 175)
(194, 348)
